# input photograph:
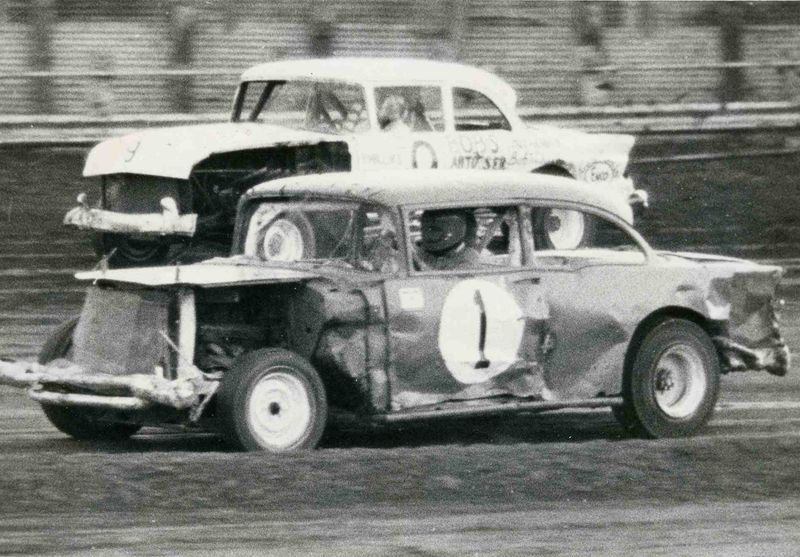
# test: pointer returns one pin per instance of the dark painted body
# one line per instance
(555, 331)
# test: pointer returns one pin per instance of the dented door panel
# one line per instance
(461, 338)
(596, 308)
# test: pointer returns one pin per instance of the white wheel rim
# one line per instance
(279, 410)
(680, 381)
(282, 241)
(564, 228)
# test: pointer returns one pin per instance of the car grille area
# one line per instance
(121, 331)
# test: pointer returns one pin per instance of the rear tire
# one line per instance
(272, 400)
(86, 424)
(672, 386)
(561, 229)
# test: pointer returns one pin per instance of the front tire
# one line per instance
(124, 251)
(86, 424)
(272, 400)
(672, 386)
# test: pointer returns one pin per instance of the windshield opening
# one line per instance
(346, 234)
(326, 107)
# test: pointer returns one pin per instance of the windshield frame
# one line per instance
(240, 115)
(354, 258)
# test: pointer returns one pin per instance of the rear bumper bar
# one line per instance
(57, 383)
(774, 359)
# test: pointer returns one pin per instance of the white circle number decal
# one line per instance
(480, 331)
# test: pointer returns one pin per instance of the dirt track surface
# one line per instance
(555, 484)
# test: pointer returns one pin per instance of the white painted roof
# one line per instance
(386, 71)
(407, 187)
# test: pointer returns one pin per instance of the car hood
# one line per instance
(212, 273)
(172, 152)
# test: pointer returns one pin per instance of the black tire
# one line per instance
(87, 424)
(131, 252)
(290, 428)
(672, 385)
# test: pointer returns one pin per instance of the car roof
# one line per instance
(445, 187)
(395, 71)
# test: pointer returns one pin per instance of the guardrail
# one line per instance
(642, 120)
(553, 68)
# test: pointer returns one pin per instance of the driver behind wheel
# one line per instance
(447, 240)
(393, 114)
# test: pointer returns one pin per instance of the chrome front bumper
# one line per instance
(53, 383)
(168, 222)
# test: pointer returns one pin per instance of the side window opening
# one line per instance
(320, 106)
(361, 237)
(569, 233)
(474, 111)
(409, 108)
(465, 238)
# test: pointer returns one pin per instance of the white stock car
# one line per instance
(171, 193)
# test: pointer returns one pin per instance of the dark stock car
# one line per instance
(330, 303)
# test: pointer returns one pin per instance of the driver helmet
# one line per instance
(446, 229)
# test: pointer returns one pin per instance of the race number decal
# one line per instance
(131, 149)
(423, 155)
(480, 330)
